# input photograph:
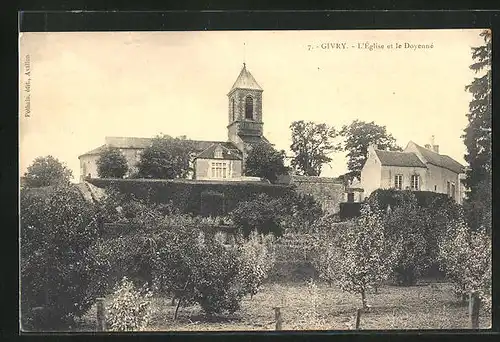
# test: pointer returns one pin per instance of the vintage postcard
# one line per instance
(255, 180)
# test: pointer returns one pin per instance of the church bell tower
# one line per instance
(245, 110)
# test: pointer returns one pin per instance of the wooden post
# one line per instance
(358, 318)
(101, 316)
(474, 303)
(277, 315)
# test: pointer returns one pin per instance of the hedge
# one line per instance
(393, 197)
(196, 197)
(349, 210)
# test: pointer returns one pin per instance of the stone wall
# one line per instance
(329, 192)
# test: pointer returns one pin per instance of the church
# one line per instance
(213, 160)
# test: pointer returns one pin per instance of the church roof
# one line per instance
(393, 158)
(245, 81)
(229, 152)
(142, 143)
(251, 139)
(440, 160)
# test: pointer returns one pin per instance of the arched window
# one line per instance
(249, 107)
(232, 109)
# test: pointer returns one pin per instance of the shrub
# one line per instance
(263, 215)
(301, 211)
(130, 308)
(112, 164)
(466, 258)
(256, 259)
(57, 272)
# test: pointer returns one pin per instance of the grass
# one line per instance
(325, 308)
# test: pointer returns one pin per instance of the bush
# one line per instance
(112, 164)
(301, 211)
(57, 272)
(262, 215)
(256, 259)
(130, 309)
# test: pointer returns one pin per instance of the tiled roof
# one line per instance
(250, 139)
(440, 160)
(142, 143)
(229, 152)
(245, 81)
(392, 158)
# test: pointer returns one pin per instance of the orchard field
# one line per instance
(303, 307)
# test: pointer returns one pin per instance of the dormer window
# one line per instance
(218, 153)
(249, 108)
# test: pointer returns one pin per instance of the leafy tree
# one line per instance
(361, 258)
(57, 272)
(300, 212)
(477, 134)
(264, 161)
(112, 164)
(311, 145)
(256, 261)
(46, 171)
(406, 230)
(166, 158)
(262, 214)
(358, 136)
(465, 256)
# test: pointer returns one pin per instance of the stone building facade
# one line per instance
(416, 168)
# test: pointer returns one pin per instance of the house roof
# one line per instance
(440, 160)
(229, 152)
(245, 80)
(250, 139)
(393, 158)
(142, 143)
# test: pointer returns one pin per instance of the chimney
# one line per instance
(428, 146)
(435, 148)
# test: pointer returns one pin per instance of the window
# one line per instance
(232, 109)
(218, 153)
(452, 193)
(398, 182)
(249, 107)
(448, 188)
(415, 182)
(435, 187)
(219, 170)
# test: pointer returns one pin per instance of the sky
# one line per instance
(84, 86)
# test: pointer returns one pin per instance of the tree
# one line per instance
(477, 134)
(57, 272)
(477, 138)
(264, 161)
(166, 158)
(311, 144)
(465, 256)
(46, 171)
(358, 136)
(361, 259)
(112, 164)
(406, 228)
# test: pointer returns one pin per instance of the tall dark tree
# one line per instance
(477, 134)
(266, 162)
(45, 171)
(358, 136)
(477, 137)
(112, 164)
(312, 144)
(166, 158)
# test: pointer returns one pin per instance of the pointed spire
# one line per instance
(245, 80)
